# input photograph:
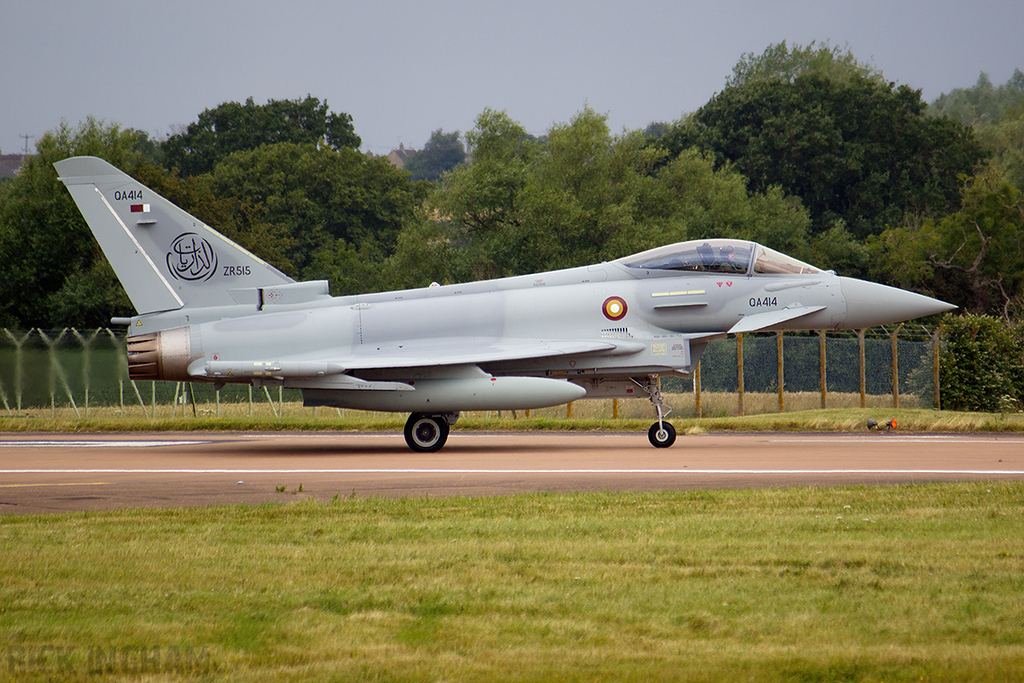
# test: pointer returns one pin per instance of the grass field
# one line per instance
(902, 583)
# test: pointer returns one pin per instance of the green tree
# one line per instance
(657, 129)
(524, 207)
(836, 249)
(311, 211)
(477, 205)
(233, 127)
(237, 219)
(981, 104)
(442, 153)
(426, 254)
(47, 250)
(1004, 139)
(582, 196)
(54, 273)
(591, 197)
(973, 257)
(703, 202)
(853, 149)
(780, 63)
(318, 208)
(981, 364)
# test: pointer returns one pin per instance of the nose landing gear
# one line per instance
(661, 434)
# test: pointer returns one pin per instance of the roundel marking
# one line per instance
(614, 308)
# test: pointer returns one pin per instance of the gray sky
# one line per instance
(403, 69)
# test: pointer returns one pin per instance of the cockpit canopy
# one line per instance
(736, 257)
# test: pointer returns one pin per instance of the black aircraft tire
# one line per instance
(426, 433)
(662, 435)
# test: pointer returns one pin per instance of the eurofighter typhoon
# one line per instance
(210, 311)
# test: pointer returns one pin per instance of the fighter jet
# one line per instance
(210, 311)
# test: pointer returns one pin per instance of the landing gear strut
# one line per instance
(661, 434)
(428, 433)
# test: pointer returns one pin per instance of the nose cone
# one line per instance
(869, 304)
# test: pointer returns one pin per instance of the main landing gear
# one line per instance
(661, 434)
(428, 433)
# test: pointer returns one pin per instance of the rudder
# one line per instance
(165, 258)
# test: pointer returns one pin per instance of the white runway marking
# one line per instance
(95, 444)
(900, 439)
(454, 471)
(113, 443)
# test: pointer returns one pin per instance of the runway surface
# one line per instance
(48, 473)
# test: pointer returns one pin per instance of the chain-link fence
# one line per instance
(899, 363)
(69, 369)
(76, 370)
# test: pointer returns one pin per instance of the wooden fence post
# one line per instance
(895, 368)
(863, 377)
(739, 371)
(696, 392)
(822, 369)
(782, 372)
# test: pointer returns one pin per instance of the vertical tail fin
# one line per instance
(165, 258)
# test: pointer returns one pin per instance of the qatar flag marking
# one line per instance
(140, 208)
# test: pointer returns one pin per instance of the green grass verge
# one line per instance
(901, 583)
(296, 418)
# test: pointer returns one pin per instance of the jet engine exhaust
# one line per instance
(160, 355)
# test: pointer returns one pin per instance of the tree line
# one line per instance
(806, 150)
